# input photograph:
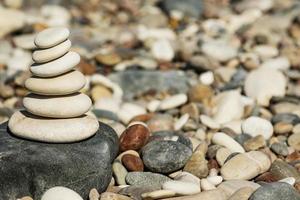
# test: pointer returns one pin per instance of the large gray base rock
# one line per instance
(30, 168)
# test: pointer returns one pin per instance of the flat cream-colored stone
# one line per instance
(26, 125)
(67, 83)
(51, 37)
(45, 55)
(67, 106)
(56, 67)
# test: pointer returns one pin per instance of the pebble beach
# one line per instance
(150, 99)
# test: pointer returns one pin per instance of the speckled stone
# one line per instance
(146, 179)
(165, 156)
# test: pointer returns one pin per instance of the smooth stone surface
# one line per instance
(242, 194)
(158, 194)
(68, 106)
(280, 148)
(134, 137)
(228, 142)
(197, 164)
(232, 186)
(119, 172)
(165, 156)
(67, 83)
(26, 125)
(62, 193)
(146, 179)
(181, 187)
(113, 196)
(29, 168)
(45, 55)
(257, 126)
(206, 185)
(245, 166)
(56, 67)
(207, 195)
(51, 37)
(277, 190)
(173, 102)
(280, 170)
(132, 163)
(255, 143)
(219, 51)
(263, 84)
(294, 141)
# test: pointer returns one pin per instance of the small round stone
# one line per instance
(257, 126)
(51, 37)
(61, 193)
(132, 163)
(26, 125)
(56, 67)
(67, 83)
(165, 156)
(45, 55)
(68, 106)
(134, 137)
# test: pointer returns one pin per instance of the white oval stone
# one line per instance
(257, 126)
(67, 83)
(25, 125)
(215, 180)
(51, 37)
(61, 193)
(45, 55)
(209, 122)
(187, 177)
(263, 84)
(56, 67)
(228, 142)
(245, 166)
(206, 185)
(181, 187)
(173, 101)
(68, 106)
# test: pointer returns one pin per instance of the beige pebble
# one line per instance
(158, 194)
(113, 196)
(51, 37)
(94, 194)
(228, 142)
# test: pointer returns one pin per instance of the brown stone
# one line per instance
(191, 109)
(255, 143)
(200, 93)
(134, 137)
(133, 163)
(98, 92)
(142, 118)
(108, 59)
(293, 157)
(86, 68)
(266, 177)
(281, 128)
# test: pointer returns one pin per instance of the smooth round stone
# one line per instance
(245, 166)
(182, 187)
(165, 156)
(257, 126)
(276, 190)
(45, 55)
(56, 67)
(67, 83)
(228, 142)
(51, 36)
(72, 105)
(26, 125)
(61, 193)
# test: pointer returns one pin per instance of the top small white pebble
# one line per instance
(51, 37)
(61, 193)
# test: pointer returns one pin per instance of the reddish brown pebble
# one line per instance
(133, 163)
(134, 137)
(142, 118)
(212, 163)
(266, 177)
(295, 156)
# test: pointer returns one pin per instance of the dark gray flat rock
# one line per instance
(30, 168)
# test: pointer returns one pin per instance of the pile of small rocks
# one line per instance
(205, 100)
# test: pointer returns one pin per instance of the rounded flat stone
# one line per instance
(61, 192)
(56, 67)
(67, 83)
(26, 125)
(45, 55)
(68, 106)
(51, 36)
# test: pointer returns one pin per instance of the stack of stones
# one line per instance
(56, 111)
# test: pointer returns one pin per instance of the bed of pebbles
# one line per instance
(204, 95)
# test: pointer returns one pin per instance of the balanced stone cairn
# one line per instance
(55, 110)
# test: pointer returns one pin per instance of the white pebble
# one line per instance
(162, 50)
(228, 142)
(280, 63)
(181, 121)
(187, 177)
(181, 187)
(130, 110)
(289, 180)
(153, 105)
(257, 126)
(206, 185)
(207, 78)
(61, 193)
(266, 51)
(173, 101)
(209, 122)
(215, 180)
